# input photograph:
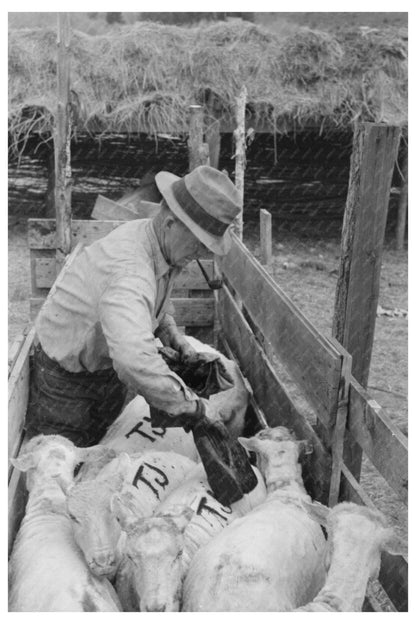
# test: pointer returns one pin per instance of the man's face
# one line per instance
(183, 245)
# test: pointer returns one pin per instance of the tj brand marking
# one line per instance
(139, 477)
(137, 429)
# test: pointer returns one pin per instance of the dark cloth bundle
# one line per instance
(226, 464)
(204, 373)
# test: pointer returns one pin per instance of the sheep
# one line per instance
(356, 537)
(133, 431)
(149, 477)
(272, 558)
(185, 520)
(209, 516)
(150, 575)
(47, 571)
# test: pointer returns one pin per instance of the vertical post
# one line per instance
(402, 208)
(240, 152)
(62, 141)
(198, 150)
(374, 152)
(265, 236)
(213, 134)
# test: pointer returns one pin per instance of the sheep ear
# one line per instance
(316, 511)
(250, 444)
(181, 515)
(393, 544)
(121, 506)
(116, 472)
(24, 462)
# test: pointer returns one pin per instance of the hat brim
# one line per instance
(219, 245)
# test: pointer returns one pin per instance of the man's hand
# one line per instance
(183, 347)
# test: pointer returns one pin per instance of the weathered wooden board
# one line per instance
(17, 497)
(373, 157)
(270, 392)
(19, 394)
(394, 568)
(108, 209)
(381, 440)
(188, 312)
(42, 232)
(190, 277)
(312, 360)
(16, 348)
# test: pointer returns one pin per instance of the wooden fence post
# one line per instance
(198, 150)
(213, 135)
(62, 141)
(402, 208)
(265, 236)
(240, 152)
(374, 152)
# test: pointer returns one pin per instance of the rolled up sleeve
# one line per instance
(126, 312)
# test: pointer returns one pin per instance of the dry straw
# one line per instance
(143, 77)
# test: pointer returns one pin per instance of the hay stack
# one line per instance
(143, 77)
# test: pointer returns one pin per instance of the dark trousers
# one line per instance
(78, 406)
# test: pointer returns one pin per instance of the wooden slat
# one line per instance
(381, 440)
(16, 348)
(190, 277)
(17, 497)
(188, 312)
(265, 236)
(19, 394)
(270, 392)
(107, 209)
(311, 359)
(41, 232)
(338, 433)
(394, 568)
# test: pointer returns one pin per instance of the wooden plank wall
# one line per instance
(18, 399)
(311, 359)
(192, 298)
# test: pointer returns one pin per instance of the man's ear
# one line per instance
(169, 221)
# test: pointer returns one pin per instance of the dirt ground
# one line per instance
(307, 272)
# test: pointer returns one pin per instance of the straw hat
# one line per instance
(206, 201)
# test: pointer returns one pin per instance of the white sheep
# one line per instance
(47, 571)
(210, 516)
(272, 558)
(133, 431)
(357, 535)
(148, 476)
(150, 579)
(150, 575)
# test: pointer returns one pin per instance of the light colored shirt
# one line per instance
(106, 309)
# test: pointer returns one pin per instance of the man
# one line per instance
(97, 331)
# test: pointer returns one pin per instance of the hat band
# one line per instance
(202, 218)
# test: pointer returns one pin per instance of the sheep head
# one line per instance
(95, 527)
(356, 529)
(277, 453)
(153, 548)
(47, 457)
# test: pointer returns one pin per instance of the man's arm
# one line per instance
(125, 312)
(170, 336)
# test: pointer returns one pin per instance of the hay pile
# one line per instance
(144, 77)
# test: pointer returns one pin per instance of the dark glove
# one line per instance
(226, 463)
(204, 373)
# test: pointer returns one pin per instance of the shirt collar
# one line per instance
(161, 266)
